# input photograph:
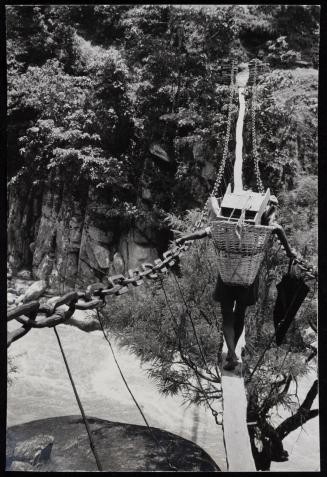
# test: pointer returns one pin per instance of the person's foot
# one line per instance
(230, 357)
(231, 365)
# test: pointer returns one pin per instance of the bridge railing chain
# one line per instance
(47, 315)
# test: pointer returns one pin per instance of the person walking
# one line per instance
(234, 299)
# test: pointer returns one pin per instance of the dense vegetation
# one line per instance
(91, 88)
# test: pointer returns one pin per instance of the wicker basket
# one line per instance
(240, 251)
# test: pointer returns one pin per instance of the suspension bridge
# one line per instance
(230, 385)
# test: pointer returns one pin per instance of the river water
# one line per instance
(41, 389)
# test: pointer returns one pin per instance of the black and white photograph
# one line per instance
(162, 238)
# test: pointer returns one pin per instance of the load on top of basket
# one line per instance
(241, 225)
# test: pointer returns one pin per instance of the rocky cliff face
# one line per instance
(72, 239)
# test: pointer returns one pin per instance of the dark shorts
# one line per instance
(246, 295)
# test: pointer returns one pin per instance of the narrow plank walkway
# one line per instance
(237, 440)
(241, 81)
(238, 164)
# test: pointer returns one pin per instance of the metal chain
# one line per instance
(91, 298)
(221, 169)
(254, 136)
(228, 130)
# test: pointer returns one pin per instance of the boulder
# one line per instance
(35, 450)
(121, 447)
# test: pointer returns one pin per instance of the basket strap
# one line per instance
(240, 222)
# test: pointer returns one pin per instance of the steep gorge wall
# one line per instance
(73, 240)
(70, 233)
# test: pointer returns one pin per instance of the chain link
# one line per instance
(92, 298)
(254, 135)
(221, 169)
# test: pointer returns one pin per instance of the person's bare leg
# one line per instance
(229, 331)
(239, 315)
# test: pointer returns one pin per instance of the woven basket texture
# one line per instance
(240, 250)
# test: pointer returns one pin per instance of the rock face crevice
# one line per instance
(72, 238)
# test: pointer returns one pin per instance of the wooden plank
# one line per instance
(238, 165)
(248, 199)
(237, 440)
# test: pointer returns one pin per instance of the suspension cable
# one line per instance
(213, 411)
(88, 430)
(132, 395)
(228, 131)
(225, 150)
(254, 136)
(192, 323)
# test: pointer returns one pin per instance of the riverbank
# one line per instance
(42, 377)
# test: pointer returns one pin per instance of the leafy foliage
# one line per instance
(261, 25)
(287, 127)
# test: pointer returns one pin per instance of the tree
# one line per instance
(40, 33)
(286, 129)
(176, 329)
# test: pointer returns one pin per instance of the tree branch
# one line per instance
(286, 388)
(310, 397)
(303, 414)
